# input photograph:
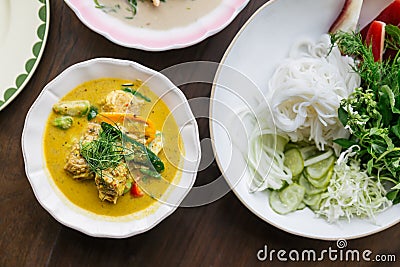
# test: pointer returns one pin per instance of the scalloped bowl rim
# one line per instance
(48, 194)
(153, 40)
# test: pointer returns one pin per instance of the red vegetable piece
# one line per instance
(376, 38)
(390, 15)
(136, 191)
(348, 17)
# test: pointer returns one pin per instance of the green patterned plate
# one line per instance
(24, 26)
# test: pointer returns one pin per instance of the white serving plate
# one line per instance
(22, 43)
(242, 80)
(48, 194)
(124, 34)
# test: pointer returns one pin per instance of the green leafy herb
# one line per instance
(112, 146)
(93, 111)
(392, 37)
(98, 5)
(142, 155)
(104, 152)
(136, 93)
(343, 116)
(345, 143)
(132, 6)
(372, 112)
(107, 9)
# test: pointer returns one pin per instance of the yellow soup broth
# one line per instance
(58, 142)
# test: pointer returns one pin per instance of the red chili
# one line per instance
(136, 191)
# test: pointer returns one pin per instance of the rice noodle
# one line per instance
(306, 89)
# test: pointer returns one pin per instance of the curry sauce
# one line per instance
(58, 143)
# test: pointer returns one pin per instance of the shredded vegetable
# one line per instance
(352, 192)
(265, 161)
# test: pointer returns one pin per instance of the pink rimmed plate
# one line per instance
(125, 32)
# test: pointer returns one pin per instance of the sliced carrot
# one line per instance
(116, 117)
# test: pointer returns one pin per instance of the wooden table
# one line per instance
(223, 233)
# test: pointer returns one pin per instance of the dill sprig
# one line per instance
(98, 5)
(112, 146)
(105, 152)
(351, 44)
(372, 112)
(133, 6)
(373, 74)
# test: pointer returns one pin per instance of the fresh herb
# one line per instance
(142, 155)
(392, 37)
(98, 5)
(112, 146)
(104, 152)
(132, 6)
(107, 9)
(135, 93)
(372, 112)
(93, 111)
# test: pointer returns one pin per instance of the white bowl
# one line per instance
(249, 62)
(44, 188)
(127, 35)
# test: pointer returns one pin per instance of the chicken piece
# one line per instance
(76, 165)
(156, 2)
(112, 182)
(122, 102)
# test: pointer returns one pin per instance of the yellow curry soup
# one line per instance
(84, 193)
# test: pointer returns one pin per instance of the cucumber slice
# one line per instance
(290, 146)
(295, 179)
(310, 189)
(277, 205)
(317, 205)
(293, 193)
(287, 200)
(324, 182)
(294, 161)
(319, 169)
(312, 200)
(308, 151)
(301, 206)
